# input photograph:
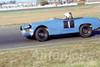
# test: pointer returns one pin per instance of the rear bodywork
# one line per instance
(60, 26)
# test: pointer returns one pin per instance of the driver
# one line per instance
(68, 15)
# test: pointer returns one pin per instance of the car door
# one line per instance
(68, 26)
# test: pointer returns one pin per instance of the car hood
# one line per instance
(46, 22)
(39, 23)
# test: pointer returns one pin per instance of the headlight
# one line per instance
(23, 31)
(30, 30)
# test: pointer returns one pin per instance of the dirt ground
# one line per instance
(30, 17)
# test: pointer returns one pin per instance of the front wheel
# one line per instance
(41, 34)
(85, 31)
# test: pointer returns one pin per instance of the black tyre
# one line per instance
(41, 34)
(85, 31)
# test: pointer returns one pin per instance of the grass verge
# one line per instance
(78, 54)
(24, 17)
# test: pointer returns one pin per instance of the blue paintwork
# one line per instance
(56, 26)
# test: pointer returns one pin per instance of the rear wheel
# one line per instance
(85, 31)
(41, 34)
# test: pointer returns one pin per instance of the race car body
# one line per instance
(41, 30)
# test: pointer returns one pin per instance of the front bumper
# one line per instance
(27, 32)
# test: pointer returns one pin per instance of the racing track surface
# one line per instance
(10, 37)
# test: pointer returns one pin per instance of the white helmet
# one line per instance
(67, 15)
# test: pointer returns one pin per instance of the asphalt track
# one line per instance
(48, 8)
(11, 38)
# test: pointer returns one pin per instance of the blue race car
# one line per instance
(42, 30)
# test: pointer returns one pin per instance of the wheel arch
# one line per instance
(41, 26)
(85, 24)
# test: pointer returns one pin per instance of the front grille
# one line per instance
(27, 30)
